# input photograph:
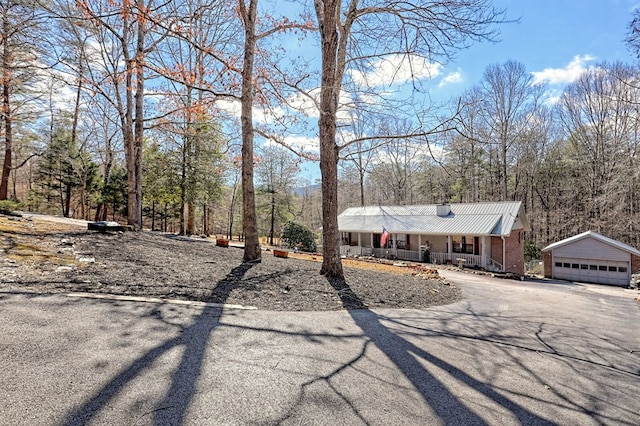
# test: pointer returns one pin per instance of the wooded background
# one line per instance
(111, 104)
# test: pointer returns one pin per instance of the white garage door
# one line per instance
(591, 271)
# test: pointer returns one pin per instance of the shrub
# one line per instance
(300, 236)
(7, 207)
(532, 251)
(426, 255)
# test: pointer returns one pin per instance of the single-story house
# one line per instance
(486, 235)
(591, 257)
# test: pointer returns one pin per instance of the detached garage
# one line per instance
(592, 258)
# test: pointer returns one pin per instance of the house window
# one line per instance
(400, 242)
(622, 269)
(558, 264)
(463, 244)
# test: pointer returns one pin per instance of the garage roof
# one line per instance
(481, 219)
(591, 234)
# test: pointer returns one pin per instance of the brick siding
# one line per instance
(635, 263)
(548, 264)
(514, 252)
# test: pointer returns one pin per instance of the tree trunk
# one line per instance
(139, 126)
(331, 81)
(191, 218)
(205, 220)
(249, 223)
(129, 145)
(133, 128)
(6, 114)
(361, 182)
(153, 215)
(74, 135)
(232, 211)
(273, 216)
(67, 200)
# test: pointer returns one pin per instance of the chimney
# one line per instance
(443, 209)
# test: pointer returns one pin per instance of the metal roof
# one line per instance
(591, 234)
(464, 219)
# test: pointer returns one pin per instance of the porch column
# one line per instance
(359, 242)
(483, 251)
(420, 243)
(371, 242)
(450, 248)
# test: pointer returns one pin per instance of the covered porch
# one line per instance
(471, 251)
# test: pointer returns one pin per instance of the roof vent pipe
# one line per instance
(443, 209)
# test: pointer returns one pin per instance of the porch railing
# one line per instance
(387, 253)
(453, 258)
(355, 251)
(495, 266)
(416, 256)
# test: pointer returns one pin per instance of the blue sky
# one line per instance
(554, 37)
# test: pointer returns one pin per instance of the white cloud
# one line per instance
(304, 104)
(297, 143)
(231, 107)
(452, 78)
(568, 74)
(303, 143)
(397, 69)
(308, 104)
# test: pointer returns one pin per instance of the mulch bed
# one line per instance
(167, 266)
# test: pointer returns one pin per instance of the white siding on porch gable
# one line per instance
(590, 248)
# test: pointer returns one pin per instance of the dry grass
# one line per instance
(380, 265)
(25, 240)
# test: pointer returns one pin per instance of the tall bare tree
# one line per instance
(432, 30)
(253, 32)
(276, 173)
(125, 32)
(599, 114)
(510, 97)
(20, 35)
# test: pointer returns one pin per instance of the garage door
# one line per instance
(591, 271)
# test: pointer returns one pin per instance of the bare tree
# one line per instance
(509, 98)
(20, 22)
(276, 173)
(126, 35)
(599, 113)
(430, 30)
(252, 34)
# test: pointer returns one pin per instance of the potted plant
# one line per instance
(426, 255)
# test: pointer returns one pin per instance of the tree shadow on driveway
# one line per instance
(447, 400)
(194, 338)
(404, 354)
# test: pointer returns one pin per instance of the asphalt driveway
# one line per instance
(509, 353)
